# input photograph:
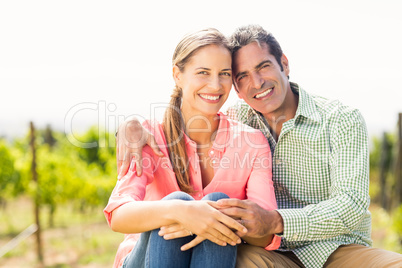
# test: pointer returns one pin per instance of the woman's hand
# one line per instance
(176, 230)
(200, 218)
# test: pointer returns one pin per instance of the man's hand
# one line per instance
(258, 221)
(130, 139)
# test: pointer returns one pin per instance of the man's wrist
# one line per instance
(278, 223)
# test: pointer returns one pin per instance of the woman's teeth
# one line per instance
(263, 94)
(209, 97)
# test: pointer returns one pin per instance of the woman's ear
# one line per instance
(177, 75)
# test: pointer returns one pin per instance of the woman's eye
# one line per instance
(226, 74)
(203, 72)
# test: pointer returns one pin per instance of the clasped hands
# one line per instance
(206, 223)
(229, 221)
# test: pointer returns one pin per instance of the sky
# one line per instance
(75, 64)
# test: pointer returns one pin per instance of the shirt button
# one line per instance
(280, 188)
(295, 236)
(278, 161)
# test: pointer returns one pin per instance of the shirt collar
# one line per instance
(306, 107)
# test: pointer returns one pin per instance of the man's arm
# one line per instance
(131, 137)
(348, 200)
(346, 206)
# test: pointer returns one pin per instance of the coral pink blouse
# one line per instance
(241, 159)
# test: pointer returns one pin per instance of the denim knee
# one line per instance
(215, 196)
(178, 195)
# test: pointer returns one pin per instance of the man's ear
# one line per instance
(285, 64)
(177, 75)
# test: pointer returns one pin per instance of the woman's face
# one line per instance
(206, 81)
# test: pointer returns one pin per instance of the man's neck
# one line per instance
(277, 118)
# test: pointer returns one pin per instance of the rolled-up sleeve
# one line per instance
(130, 187)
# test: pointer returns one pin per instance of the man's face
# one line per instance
(259, 79)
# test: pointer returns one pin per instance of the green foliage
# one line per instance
(382, 160)
(83, 177)
(10, 177)
(397, 224)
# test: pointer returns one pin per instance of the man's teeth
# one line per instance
(263, 94)
(209, 97)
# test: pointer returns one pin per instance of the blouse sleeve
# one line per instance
(260, 188)
(130, 187)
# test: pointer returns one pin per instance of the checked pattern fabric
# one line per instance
(320, 174)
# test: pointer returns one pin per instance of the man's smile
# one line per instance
(264, 93)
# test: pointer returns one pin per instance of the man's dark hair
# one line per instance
(254, 33)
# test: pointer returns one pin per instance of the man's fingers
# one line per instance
(152, 143)
(138, 163)
(125, 164)
(119, 162)
(231, 202)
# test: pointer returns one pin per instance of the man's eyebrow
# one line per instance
(259, 66)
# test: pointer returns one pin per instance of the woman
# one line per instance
(208, 157)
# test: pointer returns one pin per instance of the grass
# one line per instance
(84, 239)
(76, 240)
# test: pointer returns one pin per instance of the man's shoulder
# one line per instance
(335, 110)
(239, 111)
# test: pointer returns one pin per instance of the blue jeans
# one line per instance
(153, 251)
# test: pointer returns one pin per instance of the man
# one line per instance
(320, 166)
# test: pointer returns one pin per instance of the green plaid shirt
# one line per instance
(321, 175)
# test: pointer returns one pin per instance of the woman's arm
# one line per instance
(197, 217)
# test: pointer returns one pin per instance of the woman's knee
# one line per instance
(178, 195)
(215, 196)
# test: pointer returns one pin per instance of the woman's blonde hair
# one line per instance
(173, 120)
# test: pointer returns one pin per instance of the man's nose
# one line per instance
(256, 80)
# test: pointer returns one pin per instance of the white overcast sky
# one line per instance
(80, 63)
